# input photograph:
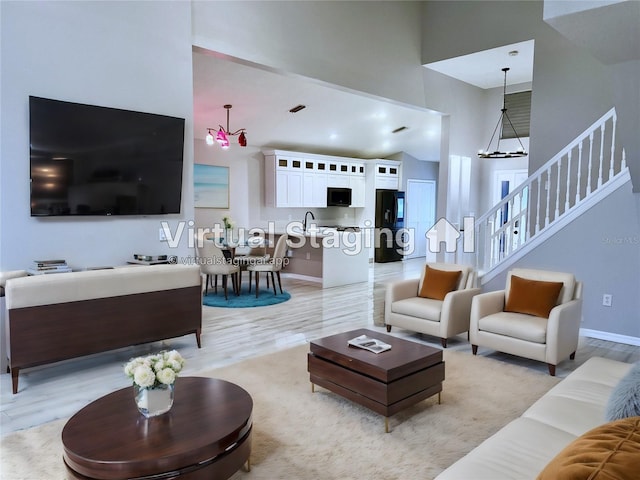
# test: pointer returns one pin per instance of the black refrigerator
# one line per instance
(389, 220)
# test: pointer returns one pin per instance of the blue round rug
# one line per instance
(245, 299)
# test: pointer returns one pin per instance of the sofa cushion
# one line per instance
(609, 451)
(624, 400)
(515, 325)
(518, 451)
(437, 283)
(533, 297)
(419, 307)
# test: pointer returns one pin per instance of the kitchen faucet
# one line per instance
(304, 224)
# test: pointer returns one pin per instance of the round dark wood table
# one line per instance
(206, 434)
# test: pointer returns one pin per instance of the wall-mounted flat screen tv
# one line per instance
(92, 160)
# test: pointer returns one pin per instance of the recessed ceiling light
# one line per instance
(297, 108)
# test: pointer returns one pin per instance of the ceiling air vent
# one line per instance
(399, 129)
(297, 108)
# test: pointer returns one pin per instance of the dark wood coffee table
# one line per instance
(384, 382)
(205, 435)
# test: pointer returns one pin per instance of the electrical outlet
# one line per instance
(161, 235)
(607, 298)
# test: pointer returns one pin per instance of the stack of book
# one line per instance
(41, 267)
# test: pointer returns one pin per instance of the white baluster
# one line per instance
(487, 244)
(623, 164)
(538, 204)
(613, 146)
(601, 155)
(566, 201)
(546, 218)
(588, 192)
(509, 229)
(557, 212)
(579, 173)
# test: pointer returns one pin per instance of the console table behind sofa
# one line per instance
(67, 315)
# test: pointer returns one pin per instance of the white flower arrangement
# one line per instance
(154, 370)
(228, 222)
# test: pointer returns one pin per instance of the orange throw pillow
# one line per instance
(533, 297)
(437, 283)
(610, 451)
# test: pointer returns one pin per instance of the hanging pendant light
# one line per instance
(497, 153)
(222, 137)
(209, 138)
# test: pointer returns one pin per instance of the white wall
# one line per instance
(131, 55)
(371, 47)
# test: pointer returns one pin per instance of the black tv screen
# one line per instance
(91, 160)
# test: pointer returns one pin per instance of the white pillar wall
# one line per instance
(458, 190)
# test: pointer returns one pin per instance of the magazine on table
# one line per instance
(368, 343)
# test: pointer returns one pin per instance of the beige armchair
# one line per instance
(551, 338)
(405, 308)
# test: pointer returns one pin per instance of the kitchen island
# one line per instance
(329, 256)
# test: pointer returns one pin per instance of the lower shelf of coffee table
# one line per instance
(380, 397)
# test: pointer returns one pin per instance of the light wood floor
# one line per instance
(230, 335)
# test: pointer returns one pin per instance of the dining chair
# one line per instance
(256, 254)
(214, 262)
(272, 266)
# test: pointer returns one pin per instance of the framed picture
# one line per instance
(211, 186)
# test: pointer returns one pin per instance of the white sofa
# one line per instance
(66, 315)
(522, 449)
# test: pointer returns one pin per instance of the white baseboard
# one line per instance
(298, 276)
(612, 337)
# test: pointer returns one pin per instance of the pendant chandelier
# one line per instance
(222, 136)
(497, 153)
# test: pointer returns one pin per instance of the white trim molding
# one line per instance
(612, 337)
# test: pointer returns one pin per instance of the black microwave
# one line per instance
(338, 197)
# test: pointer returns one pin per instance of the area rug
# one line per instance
(298, 434)
(246, 299)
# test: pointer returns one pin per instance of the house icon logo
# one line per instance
(445, 232)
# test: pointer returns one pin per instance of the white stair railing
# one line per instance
(561, 185)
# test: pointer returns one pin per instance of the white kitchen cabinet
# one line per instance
(387, 175)
(357, 183)
(315, 184)
(295, 179)
(283, 181)
(289, 187)
(338, 174)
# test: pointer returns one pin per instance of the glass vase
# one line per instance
(155, 401)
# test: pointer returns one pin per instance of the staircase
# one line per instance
(578, 177)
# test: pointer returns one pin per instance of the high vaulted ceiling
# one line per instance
(335, 121)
